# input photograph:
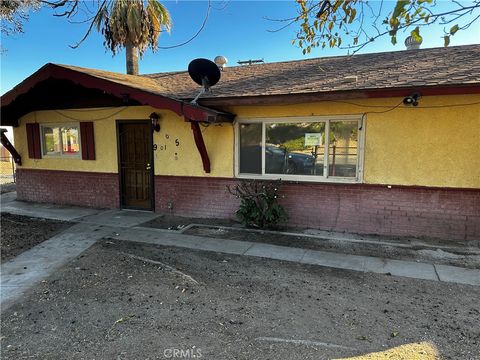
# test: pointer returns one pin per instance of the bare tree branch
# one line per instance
(207, 14)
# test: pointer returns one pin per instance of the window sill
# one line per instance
(61, 156)
(300, 178)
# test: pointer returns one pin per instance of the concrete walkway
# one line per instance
(403, 268)
(30, 267)
(36, 264)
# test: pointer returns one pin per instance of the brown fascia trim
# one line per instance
(288, 99)
(180, 107)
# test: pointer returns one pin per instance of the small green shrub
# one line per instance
(259, 205)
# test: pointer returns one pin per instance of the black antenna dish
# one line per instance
(204, 72)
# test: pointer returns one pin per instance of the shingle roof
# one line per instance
(138, 82)
(456, 65)
(435, 67)
(135, 90)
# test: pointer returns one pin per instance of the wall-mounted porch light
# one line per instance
(154, 118)
(412, 99)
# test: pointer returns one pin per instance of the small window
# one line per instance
(316, 149)
(61, 141)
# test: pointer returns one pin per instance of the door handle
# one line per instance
(148, 167)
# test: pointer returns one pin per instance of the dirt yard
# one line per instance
(173, 222)
(456, 257)
(381, 246)
(20, 233)
(125, 300)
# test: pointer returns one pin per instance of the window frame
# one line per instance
(62, 155)
(303, 178)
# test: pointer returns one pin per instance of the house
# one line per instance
(385, 143)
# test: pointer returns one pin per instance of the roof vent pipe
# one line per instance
(412, 44)
(221, 61)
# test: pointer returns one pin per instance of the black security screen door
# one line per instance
(135, 164)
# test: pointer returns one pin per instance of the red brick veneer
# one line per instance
(451, 214)
(92, 189)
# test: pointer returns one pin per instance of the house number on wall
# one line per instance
(164, 147)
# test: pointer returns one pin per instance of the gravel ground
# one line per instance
(125, 300)
(415, 253)
(20, 233)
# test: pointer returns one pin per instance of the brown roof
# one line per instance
(456, 65)
(400, 71)
(137, 82)
(32, 94)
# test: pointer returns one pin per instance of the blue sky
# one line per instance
(235, 29)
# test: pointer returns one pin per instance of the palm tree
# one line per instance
(131, 24)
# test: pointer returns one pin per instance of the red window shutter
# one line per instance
(33, 141)
(88, 140)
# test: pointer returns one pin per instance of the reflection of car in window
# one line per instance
(299, 163)
(277, 161)
(274, 160)
(280, 161)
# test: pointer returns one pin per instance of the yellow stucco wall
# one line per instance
(105, 141)
(170, 159)
(434, 144)
(184, 159)
(425, 146)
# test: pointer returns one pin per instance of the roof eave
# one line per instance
(295, 98)
(119, 90)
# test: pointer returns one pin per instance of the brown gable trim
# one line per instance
(339, 95)
(425, 91)
(114, 88)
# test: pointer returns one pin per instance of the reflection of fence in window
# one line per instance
(7, 170)
(342, 161)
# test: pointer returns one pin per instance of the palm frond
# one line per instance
(101, 16)
(161, 13)
(136, 23)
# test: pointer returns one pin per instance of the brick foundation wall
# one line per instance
(450, 214)
(195, 196)
(98, 190)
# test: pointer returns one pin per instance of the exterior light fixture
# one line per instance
(412, 99)
(154, 118)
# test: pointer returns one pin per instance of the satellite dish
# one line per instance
(205, 73)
